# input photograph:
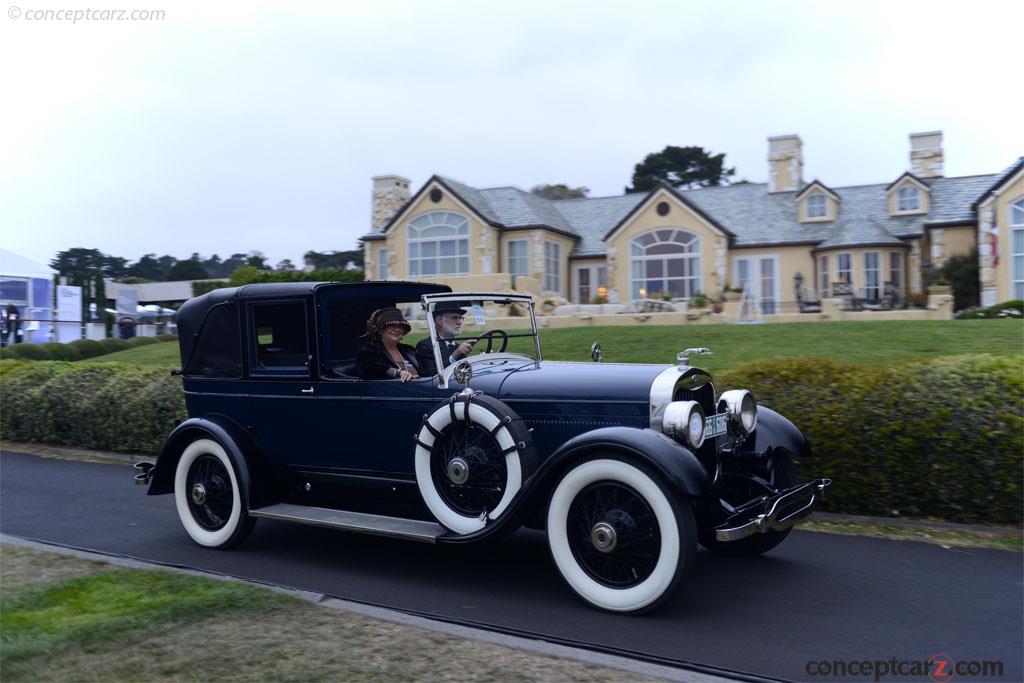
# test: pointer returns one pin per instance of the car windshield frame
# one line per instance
(430, 301)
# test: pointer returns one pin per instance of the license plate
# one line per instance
(715, 425)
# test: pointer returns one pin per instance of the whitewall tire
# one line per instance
(471, 459)
(208, 497)
(619, 537)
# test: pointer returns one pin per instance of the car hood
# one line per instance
(561, 381)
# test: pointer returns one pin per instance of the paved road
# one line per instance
(816, 597)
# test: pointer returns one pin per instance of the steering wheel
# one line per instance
(489, 336)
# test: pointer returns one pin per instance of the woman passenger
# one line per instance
(381, 355)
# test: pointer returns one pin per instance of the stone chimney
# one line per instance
(785, 163)
(926, 154)
(390, 193)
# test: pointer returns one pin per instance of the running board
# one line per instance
(360, 522)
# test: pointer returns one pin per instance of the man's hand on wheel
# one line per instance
(464, 349)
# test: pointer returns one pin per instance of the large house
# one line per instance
(769, 237)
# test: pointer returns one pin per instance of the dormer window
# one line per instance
(816, 206)
(908, 199)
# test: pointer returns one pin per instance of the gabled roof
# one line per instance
(817, 184)
(662, 185)
(908, 174)
(749, 214)
(859, 233)
(1015, 168)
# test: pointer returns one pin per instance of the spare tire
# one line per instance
(473, 454)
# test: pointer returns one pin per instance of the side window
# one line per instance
(279, 338)
(218, 351)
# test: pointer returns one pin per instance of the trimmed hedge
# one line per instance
(113, 345)
(104, 406)
(142, 341)
(78, 349)
(940, 437)
(88, 348)
(26, 351)
(57, 351)
(167, 337)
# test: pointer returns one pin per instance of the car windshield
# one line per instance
(487, 323)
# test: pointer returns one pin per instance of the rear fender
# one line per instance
(253, 469)
(676, 464)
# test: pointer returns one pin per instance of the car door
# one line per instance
(297, 419)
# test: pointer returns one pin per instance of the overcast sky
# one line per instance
(258, 126)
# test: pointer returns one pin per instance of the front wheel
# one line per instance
(620, 538)
(208, 497)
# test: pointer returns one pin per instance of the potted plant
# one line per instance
(940, 286)
(730, 293)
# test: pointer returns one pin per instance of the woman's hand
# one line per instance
(405, 375)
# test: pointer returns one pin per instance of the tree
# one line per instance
(285, 265)
(559, 191)
(100, 294)
(146, 268)
(682, 167)
(166, 263)
(256, 259)
(333, 260)
(963, 276)
(192, 269)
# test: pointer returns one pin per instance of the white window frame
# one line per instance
(905, 196)
(519, 264)
(552, 266)
(448, 222)
(848, 271)
(821, 206)
(896, 270)
(692, 277)
(823, 283)
(872, 276)
(1016, 250)
(382, 264)
(753, 285)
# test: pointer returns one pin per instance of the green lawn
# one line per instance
(870, 342)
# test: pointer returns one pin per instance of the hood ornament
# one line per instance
(683, 357)
(596, 354)
(463, 372)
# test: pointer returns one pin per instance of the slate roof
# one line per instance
(748, 211)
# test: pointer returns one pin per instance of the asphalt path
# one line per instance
(817, 597)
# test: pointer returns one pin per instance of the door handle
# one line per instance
(308, 391)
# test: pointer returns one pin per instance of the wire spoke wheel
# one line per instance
(468, 469)
(614, 534)
(210, 496)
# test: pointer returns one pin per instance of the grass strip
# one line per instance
(67, 619)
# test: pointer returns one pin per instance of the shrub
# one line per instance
(935, 438)
(61, 351)
(104, 406)
(1009, 309)
(26, 351)
(167, 337)
(142, 341)
(88, 348)
(112, 345)
(8, 364)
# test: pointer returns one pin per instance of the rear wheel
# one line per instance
(208, 497)
(619, 537)
(779, 474)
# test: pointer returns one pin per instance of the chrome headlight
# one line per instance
(684, 421)
(740, 406)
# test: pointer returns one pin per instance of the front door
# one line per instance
(759, 276)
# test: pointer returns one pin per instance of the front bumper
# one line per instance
(773, 513)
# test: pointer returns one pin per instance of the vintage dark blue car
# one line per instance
(627, 467)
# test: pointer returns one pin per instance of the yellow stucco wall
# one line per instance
(958, 241)
(831, 209)
(923, 199)
(1004, 271)
(680, 217)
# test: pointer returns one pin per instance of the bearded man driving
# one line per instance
(448, 325)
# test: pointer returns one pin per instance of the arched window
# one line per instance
(439, 244)
(907, 199)
(1017, 244)
(665, 261)
(816, 207)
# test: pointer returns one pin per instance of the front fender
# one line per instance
(674, 462)
(774, 431)
(253, 470)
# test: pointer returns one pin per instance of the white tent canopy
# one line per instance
(13, 265)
